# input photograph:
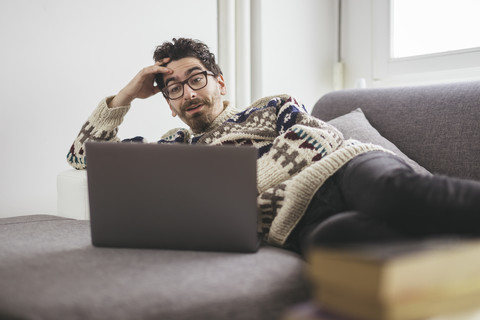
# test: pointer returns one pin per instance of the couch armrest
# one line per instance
(72, 194)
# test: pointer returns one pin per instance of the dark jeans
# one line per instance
(378, 197)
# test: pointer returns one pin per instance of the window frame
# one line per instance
(437, 67)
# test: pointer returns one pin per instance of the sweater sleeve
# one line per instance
(302, 139)
(102, 125)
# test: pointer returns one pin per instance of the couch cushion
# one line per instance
(355, 125)
(435, 125)
(49, 270)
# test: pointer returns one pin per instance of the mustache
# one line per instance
(193, 102)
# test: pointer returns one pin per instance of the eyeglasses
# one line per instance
(195, 82)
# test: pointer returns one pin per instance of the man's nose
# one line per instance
(188, 93)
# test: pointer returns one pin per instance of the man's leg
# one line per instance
(326, 202)
(352, 227)
(326, 221)
(384, 186)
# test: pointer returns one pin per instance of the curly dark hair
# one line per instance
(182, 48)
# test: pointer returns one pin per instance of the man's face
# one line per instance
(197, 108)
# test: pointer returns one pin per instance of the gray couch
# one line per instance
(49, 270)
(438, 126)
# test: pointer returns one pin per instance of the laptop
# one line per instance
(179, 197)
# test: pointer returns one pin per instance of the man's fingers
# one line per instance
(163, 61)
(156, 90)
(156, 68)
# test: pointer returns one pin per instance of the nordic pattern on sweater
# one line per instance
(296, 153)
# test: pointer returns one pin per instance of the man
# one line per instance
(311, 181)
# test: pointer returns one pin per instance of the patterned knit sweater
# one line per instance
(296, 153)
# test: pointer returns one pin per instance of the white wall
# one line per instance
(281, 46)
(58, 59)
(357, 41)
(298, 48)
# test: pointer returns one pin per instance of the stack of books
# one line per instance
(397, 281)
(310, 310)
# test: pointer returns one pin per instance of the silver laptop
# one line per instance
(181, 197)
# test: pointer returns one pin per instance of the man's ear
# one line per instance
(174, 113)
(222, 85)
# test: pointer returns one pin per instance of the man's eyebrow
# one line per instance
(190, 71)
(187, 73)
(169, 79)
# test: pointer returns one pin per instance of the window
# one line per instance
(420, 27)
(425, 41)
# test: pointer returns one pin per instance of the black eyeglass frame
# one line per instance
(182, 83)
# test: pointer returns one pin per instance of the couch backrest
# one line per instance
(436, 125)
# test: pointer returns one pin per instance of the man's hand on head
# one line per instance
(142, 86)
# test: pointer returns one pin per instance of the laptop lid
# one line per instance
(183, 197)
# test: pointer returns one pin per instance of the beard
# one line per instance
(200, 121)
